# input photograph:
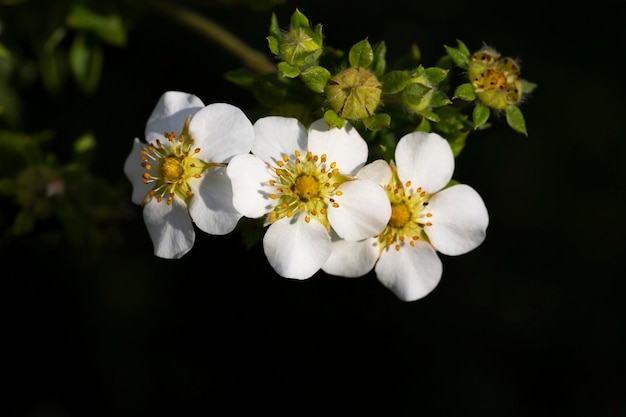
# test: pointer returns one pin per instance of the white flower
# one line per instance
(179, 175)
(305, 186)
(426, 218)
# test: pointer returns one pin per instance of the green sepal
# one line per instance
(515, 119)
(361, 54)
(274, 28)
(480, 115)
(298, 20)
(274, 45)
(460, 55)
(395, 81)
(377, 122)
(528, 86)
(333, 119)
(380, 62)
(316, 78)
(430, 115)
(465, 92)
(109, 29)
(288, 70)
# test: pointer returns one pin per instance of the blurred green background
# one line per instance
(531, 323)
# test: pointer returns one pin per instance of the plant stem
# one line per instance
(253, 59)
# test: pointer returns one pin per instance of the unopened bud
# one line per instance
(354, 93)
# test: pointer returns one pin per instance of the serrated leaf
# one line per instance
(480, 115)
(361, 54)
(515, 119)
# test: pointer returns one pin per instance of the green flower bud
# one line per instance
(495, 79)
(354, 93)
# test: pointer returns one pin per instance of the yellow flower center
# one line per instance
(172, 169)
(309, 185)
(409, 216)
(170, 165)
(306, 187)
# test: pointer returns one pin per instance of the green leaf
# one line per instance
(465, 92)
(430, 115)
(109, 29)
(361, 54)
(316, 78)
(395, 81)
(380, 63)
(86, 60)
(288, 70)
(242, 77)
(439, 99)
(377, 122)
(480, 115)
(515, 119)
(460, 56)
(435, 75)
(333, 119)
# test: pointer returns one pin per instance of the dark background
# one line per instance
(529, 324)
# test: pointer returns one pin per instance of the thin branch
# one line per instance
(253, 59)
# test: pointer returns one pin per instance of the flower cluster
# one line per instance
(350, 170)
(324, 206)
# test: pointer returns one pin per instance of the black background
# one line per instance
(529, 324)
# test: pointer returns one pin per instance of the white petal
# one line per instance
(276, 136)
(170, 113)
(411, 272)
(426, 160)
(378, 171)
(352, 259)
(170, 228)
(211, 206)
(221, 131)
(364, 210)
(296, 249)
(344, 146)
(250, 176)
(459, 220)
(134, 172)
